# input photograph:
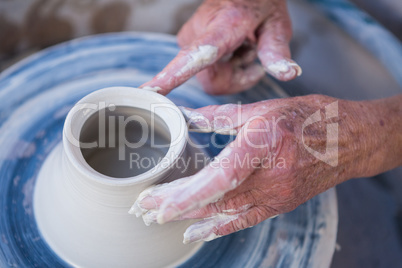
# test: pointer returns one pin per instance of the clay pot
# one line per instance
(86, 186)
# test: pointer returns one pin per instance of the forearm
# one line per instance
(379, 138)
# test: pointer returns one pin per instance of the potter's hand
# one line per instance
(221, 42)
(286, 152)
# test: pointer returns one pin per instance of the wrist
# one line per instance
(377, 134)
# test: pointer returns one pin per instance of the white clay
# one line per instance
(199, 123)
(204, 230)
(82, 214)
(283, 66)
(161, 75)
(155, 89)
(205, 55)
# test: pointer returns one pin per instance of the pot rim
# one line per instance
(131, 97)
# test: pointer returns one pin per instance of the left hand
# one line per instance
(221, 42)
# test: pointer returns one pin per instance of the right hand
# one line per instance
(286, 151)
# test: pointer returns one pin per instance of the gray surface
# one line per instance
(333, 63)
(370, 209)
(370, 224)
(387, 12)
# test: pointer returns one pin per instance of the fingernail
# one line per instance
(135, 209)
(143, 203)
(168, 214)
(148, 203)
(299, 70)
(149, 217)
(285, 68)
(154, 89)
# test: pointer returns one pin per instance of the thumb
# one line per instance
(226, 119)
(228, 170)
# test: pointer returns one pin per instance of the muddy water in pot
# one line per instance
(129, 141)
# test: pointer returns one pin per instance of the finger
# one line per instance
(273, 45)
(226, 28)
(149, 201)
(224, 78)
(207, 229)
(233, 202)
(236, 201)
(246, 77)
(234, 74)
(187, 63)
(228, 118)
(203, 52)
(223, 119)
(244, 55)
(228, 205)
(152, 197)
(239, 200)
(211, 210)
(224, 224)
(212, 182)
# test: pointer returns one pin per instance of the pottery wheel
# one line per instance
(37, 93)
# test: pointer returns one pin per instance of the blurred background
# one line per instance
(30, 25)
